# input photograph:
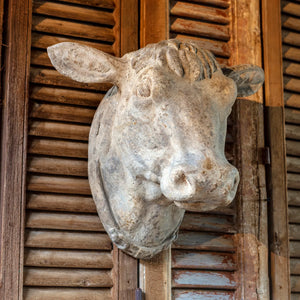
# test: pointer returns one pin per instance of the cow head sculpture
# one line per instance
(156, 145)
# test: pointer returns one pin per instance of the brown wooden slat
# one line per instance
(294, 215)
(291, 84)
(66, 278)
(204, 241)
(295, 266)
(200, 12)
(294, 197)
(294, 232)
(200, 29)
(67, 240)
(203, 260)
(62, 113)
(218, 3)
(295, 283)
(59, 130)
(110, 4)
(52, 77)
(292, 131)
(72, 12)
(58, 166)
(291, 38)
(291, 53)
(195, 222)
(58, 148)
(55, 202)
(47, 220)
(216, 47)
(203, 279)
(40, 57)
(295, 248)
(65, 96)
(293, 164)
(31, 293)
(291, 8)
(291, 69)
(74, 29)
(293, 181)
(291, 23)
(292, 116)
(43, 41)
(58, 184)
(186, 294)
(68, 259)
(293, 148)
(292, 100)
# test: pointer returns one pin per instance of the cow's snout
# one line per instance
(200, 188)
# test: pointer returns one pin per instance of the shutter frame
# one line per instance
(13, 154)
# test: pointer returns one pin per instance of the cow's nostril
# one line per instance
(180, 178)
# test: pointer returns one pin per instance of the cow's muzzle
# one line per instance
(200, 189)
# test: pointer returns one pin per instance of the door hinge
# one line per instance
(264, 156)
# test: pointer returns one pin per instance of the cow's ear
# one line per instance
(85, 64)
(248, 78)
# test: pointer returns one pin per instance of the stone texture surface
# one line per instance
(156, 145)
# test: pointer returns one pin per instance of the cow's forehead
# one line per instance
(183, 59)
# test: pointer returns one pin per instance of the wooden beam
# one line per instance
(125, 270)
(155, 274)
(154, 25)
(13, 146)
(252, 237)
(274, 101)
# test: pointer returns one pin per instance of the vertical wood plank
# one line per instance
(126, 267)
(155, 276)
(154, 19)
(274, 101)
(252, 213)
(13, 146)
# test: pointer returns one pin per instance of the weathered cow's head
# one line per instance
(157, 140)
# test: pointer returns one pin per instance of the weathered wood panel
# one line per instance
(58, 184)
(67, 240)
(64, 113)
(53, 202)
(202, 222)
(182, 259)
(204, 241)
(203, 279)
(63, 221)
(31, 293)
(68, 259)
(66, 96)
(42, 41)
(73, 12)
(67, 277)
(182, 294)
(55, 147)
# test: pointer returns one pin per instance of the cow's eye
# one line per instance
(143, 88)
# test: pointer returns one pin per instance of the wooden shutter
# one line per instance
(204, 257)
(211, 258)
(67, 252)
(291, 76)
